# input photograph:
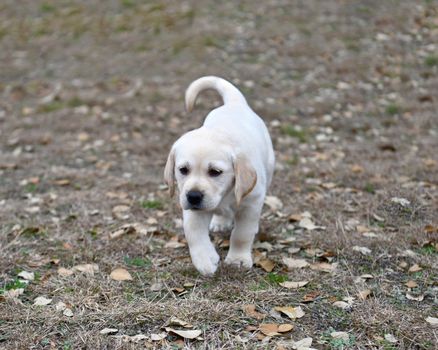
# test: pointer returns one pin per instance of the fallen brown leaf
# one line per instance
(324, 267)
(250, 310)
(309, 297)
(86, 268)
(356, 168)
(108, 331)
(62, 271)
(295, 217)
(186, 334)
(293, 285)
(364, 294)
(292, 312)
(415, 268)
(411, 284)
(295, 263)
(177, 322)
(120, 274)
(286, 327)
(266, 264)
(269, 329)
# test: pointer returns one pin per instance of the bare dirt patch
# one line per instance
(91, 101)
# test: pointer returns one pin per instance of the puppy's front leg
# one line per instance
(242, 237)
(204, 255)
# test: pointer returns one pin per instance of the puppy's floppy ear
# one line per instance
(169, 172)
(246, 177)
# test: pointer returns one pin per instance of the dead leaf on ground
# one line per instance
(415, 268)
(290, 311)
(364, 294)
(363, 250)
(89, 269)
(342, 305)
(285, 327)
(121, 212)
(432, 320)
(295, 263)
(186, 334)
(266, 264)
(295, 217)
(293, 250)
(68, 312)
(108, 331)
(133, 228)
(174, 243)
(390, 338)
(303, 344)
(309, 225)
(269, 329)
(62, 271)
(324, 267)
(415, 297)
(28, 276)
(356, 168)
(263, 245)
(158, 337)
(62, 182)
(274, 203)
(309, 297)
(340, 335)
(402, 201)
(431, 229)
(121, 274)
(60, 306)
(42, 301)
(293, 285)
(250, 310)
(411, 284)
(177, 322)
(13, 293)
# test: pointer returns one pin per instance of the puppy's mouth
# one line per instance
(195, 207)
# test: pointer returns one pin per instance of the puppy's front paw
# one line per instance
(220, 224)
(239, 259)
(205, 259)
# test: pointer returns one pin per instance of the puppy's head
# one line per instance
(205, 170)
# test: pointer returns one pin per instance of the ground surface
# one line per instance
(91, 101)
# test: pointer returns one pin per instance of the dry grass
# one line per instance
(349, 92)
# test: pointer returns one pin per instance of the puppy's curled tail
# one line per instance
(229, 93)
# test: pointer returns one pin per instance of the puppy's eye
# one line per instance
(214, 172)
(184, 170)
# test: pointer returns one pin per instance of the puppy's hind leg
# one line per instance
(223, 221)
(242, 237)
(203, 254)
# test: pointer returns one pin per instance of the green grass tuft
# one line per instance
(275, 278)
(152, 204)
(431, 61)
(392, 109)
(289, 130)
(137, 261)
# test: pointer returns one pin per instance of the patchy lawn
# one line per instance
(91, 101)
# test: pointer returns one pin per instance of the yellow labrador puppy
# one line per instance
(223, 170)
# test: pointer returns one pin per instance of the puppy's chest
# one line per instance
(227, 207)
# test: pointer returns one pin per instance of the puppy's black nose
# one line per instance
(194, 197)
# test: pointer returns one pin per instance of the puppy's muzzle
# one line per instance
(195, 199)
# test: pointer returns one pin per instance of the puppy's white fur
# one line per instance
(235, 142)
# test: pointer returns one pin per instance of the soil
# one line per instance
(91, 100)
